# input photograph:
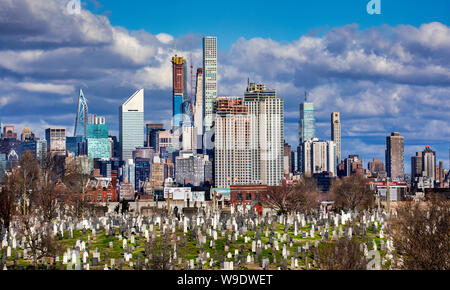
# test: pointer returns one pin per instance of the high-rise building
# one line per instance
(142, 172)
(198, 109)
(336, 133)
(375, 166)
(179, 89)
(287, 158)
(232, 151)
(429, 163)
(152, 136)
(8, 132)
(318, 156)
(190, 168)
(26, 134)
(56, 140)
(395, 156)
(306, 130)
(97, 120)
(416, 165)
(131, 124)
(81, 117)
(267, 134)
(209, 79)
(353, 164)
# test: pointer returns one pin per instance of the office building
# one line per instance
(353, 164)
(395, 156)
(142, 172)
(306, 129)
(152, 136)
(27, 135)
(131, 125)
(375, 167)
(56, 140)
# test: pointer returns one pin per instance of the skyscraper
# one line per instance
(81, 117)
(179, 89)
(232, 151)
(267, 134)
(336, 133)
(318, 156)
(395, 155)
(131, 124)
(198, 109)
(307, 122)
(152, 134)
(56, 140)
(209, 79)
(306, 130)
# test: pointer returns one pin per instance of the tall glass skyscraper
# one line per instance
(306, 130)
(307, 123)
(131, 125)
(209, 79)
(81, 118)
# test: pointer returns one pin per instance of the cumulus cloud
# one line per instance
(381, 79)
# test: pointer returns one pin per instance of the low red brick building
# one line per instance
(253, 195)
(102, 189)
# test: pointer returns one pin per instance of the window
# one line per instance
(256, 196)
(109, 196)
(239, 196)
(89, 198)
(248, 196)
(99, 197)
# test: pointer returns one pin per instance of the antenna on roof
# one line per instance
(175, 46)
(306, 96)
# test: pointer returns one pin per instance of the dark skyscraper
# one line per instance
(395, 155)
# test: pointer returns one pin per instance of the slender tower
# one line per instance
(81, 118)
(336, 134)
(209, 79)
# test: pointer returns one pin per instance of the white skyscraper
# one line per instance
(209, 79)
(232, 152)
(336, 133)
(198, 109)
(131, 124)
(319, 156)
(267, 134)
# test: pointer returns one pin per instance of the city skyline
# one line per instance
(372, 105)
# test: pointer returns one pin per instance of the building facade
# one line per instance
(209, 79)
(336, 134)
(395, 156)
(267, 134)
(131, 124)
(56, 140)
(232, 152)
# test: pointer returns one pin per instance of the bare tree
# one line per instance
(50, 196)
(305, 197)
(301, 196)
(39, 238)
(28, 173)
(420, 234)
(343, 254)
(352, 192)
(8, 197)
(76, 179)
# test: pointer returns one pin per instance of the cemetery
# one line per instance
(206, 239)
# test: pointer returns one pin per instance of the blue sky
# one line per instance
(384, 73)
(282, 20)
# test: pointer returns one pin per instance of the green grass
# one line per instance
(190, 250)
